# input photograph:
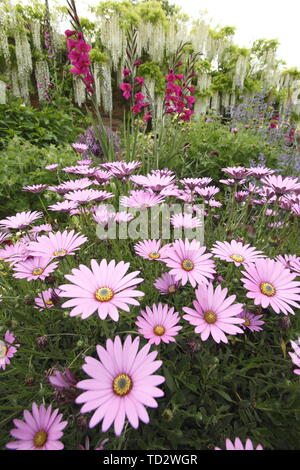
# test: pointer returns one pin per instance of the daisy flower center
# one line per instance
(187, 264)
(159, 330)
(37, 271)
(247, 322)
(154, 255)
(59, 253)
(267, 289)
(104, 294)
(210, 317)
(49, 302)
(122, 384)
(40, 438)
(3, 349)
(237, 258)
(172, 289)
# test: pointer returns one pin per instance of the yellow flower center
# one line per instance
(154, 255)
(237, 258)
(247, 322)
(3, 349)
(122, 384)
(40, 438)
(210, 317)
(172, 289)
(49, 302)
(159, 330)
(59, 253)
(104, 294)
(37, 271)
(267, 289)
(187, 265)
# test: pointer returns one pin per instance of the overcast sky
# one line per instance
(254, 19)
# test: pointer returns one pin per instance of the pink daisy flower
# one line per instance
(159, 323)
(163, 172)
(241, 196)
(122, 384)
(4, 236)
(166, 284)
(151, 249)
(52, 167)
(40, 430)
(236, 172)
(270, 284)
(103, 216)
(85, 161)
(74, 185)
(287, 260)
(121, 169)
(189, 262)
(214, 314)
(62, 381)
(86, 195)
(236, 252)
(14, 253)
(44, 299)
(186, 195)
(34, 268)
(208, 192)
(237, 445)
(191, 183)
(20, 220)
(104, 289)
(296, 355)
(156, 182)
(80, 170)
(57, 244)
(185, 221)
(102, 176)
(251, 321)
(123, 216)
(296, 209)
(36, 188)
(42, 228)
(81, 148)
(65, 206)
(7, 350)
(260, 172)
(295, 266)
(141, 200)
(281, 185)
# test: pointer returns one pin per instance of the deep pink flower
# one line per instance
(159, 323)
(269, 283)
(126, 88)
(104, 289)
(189, 262)
(40, 430)
(7, 349)
(214, 313)
(140, 80)
(121, 384)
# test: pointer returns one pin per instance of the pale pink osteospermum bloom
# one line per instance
(52, 167)
(251, 321)
(296, 355)
(166, 284)
(34, 268)
(122, 384)
(102, 176)
(287, 260)
(186, 195)
(213, 203)
(40, 430)
(236, 172)
(7, 349)
(104, 289)
(123, 216)
(295, 266)
(151, 250)
(64, 206)
(85, 161)
(214, 313)
(42, 228)
(208, 192)
(80, 170)
(296, 209)
(60, 189)
(191, 183)
(237, 445)
(4, 236)
(171, 190)
(163, 172)
(159, 323)
(85, 195)
(236, 252)
(20, 220)
(185, 221)
(81, 148)
(74, 185)
(260, 172)
(44, 299)
(189, 262)
(231, 182)
(281, 185)
(103, 216)
(36, 188)
(241, 196)
(62, 381)
(57, 244)
(121, 169)
(141, 200)
(14, 253)
(270, 284)
(155, 182)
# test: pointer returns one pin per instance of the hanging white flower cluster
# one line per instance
(203, 81)
(2, 92)
(24, 62)
(79, 91)
(240, 71)
(106, 88)
(97, 84)
(36, 35)
(199, 36)
(42, 76)
(4, 46)
(113, 38)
